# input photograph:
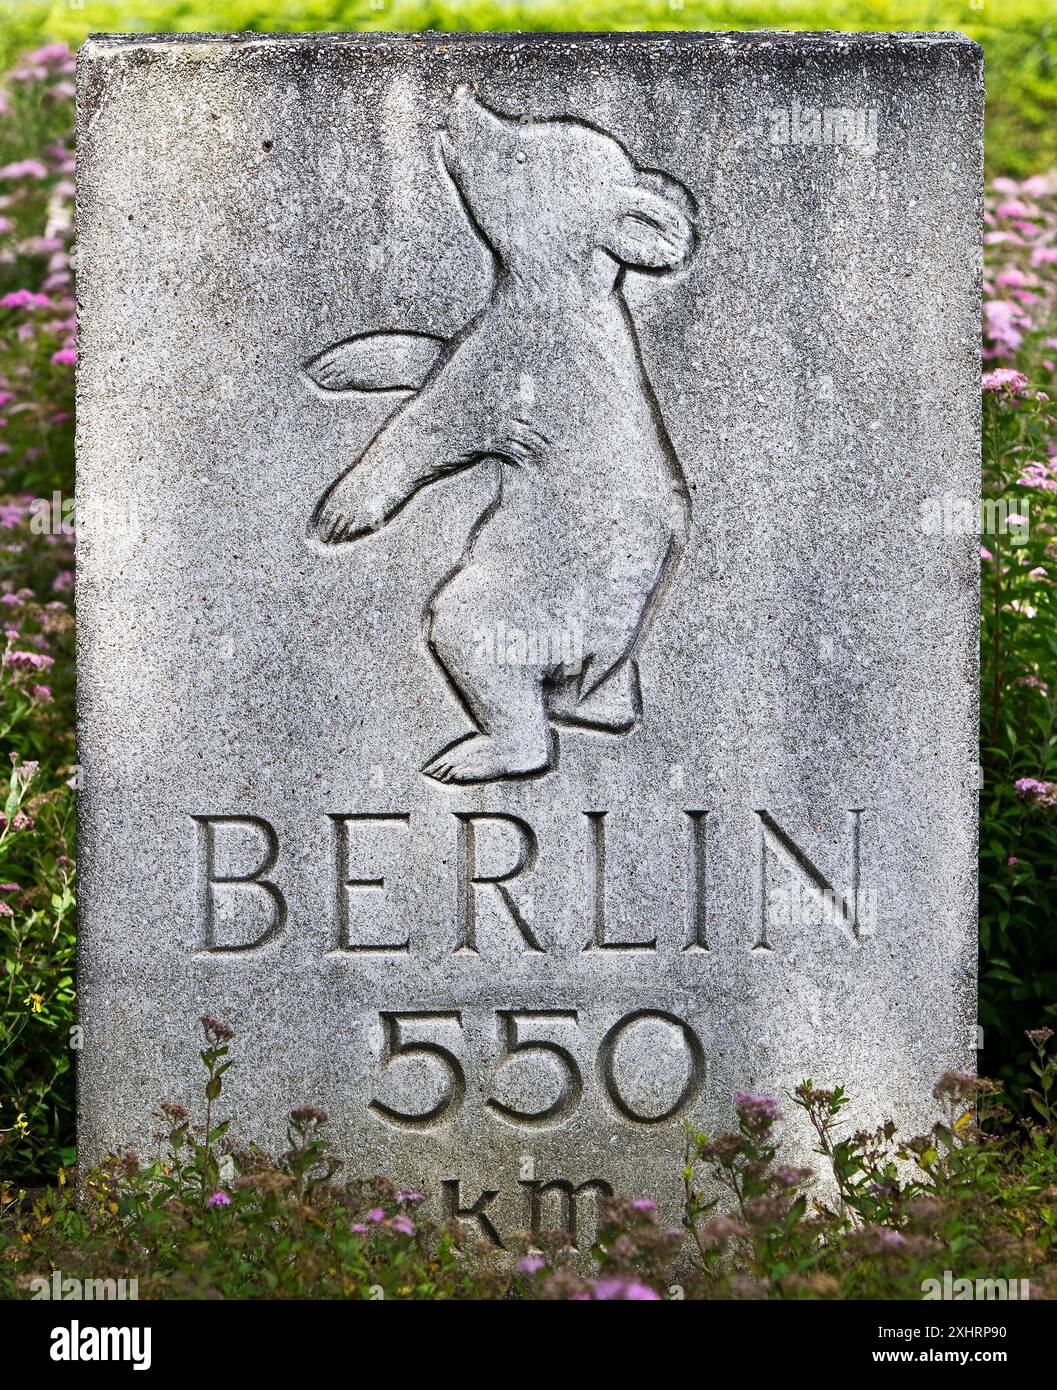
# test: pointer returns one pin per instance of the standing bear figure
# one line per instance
(546, 387)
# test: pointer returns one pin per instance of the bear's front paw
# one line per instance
(346, 514)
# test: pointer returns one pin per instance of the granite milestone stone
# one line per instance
(521, 696)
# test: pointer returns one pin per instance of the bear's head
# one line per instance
(560, 196)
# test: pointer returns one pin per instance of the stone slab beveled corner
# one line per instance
(518, 690)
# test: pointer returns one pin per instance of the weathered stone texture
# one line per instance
(682, 421)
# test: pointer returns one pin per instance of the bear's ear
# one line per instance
(649, 231)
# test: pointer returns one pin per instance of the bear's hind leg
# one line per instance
(505, 700)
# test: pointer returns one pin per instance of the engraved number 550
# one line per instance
(511, 1023)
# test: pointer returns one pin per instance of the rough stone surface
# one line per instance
(519, 590)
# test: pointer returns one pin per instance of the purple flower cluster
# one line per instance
(757, 1110)
(37, 347)
(1006, 379)
(627, 1290)
(37, 321)
(401, 1222)
(1021, 234)
(1038, 793)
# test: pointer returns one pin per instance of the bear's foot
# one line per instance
(483, 758)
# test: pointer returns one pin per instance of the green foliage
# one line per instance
(1018, 805)
(37, 752)
(969, 1196)
(206, 1219)
(1019, 39)
(1019, 654)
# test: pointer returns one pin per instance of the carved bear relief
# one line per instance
(545, 387)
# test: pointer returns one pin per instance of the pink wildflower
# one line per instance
(25, 299)
(24, 169)
(1034, 683)
(50, 53)
(1038, 475)
(30, 661)
(1011, 278)
(1036, 186)
(606, 1290)
(1006, 379)
(1004, 325)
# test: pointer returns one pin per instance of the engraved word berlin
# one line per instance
(238, 867)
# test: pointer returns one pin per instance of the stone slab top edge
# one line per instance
(735, 39)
